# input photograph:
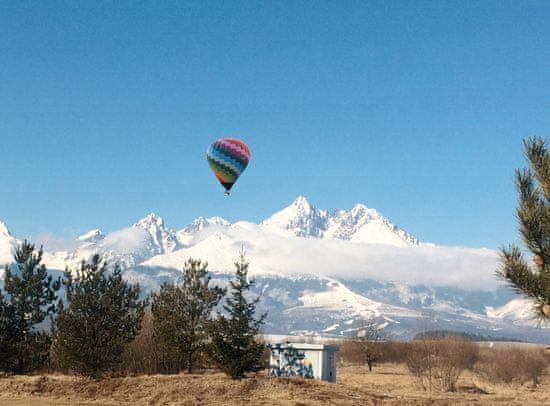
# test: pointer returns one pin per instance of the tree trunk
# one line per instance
(189, 362)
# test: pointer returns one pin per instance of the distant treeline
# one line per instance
(443, 334)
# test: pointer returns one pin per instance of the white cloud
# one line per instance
(127, 241)
(52, 243)
(467, 268)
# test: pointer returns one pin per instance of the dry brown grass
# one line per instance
(389, 384)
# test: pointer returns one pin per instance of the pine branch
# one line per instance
(520, 277)
(537, 153)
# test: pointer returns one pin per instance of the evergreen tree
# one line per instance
(8, 337)
(235, 347)
(533, 213)
(181, 315)
(31, 297)
(103, 315)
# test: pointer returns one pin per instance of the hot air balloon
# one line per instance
(228, 158)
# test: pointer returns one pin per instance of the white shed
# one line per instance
(314, 361)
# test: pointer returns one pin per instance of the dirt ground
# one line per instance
(388, 384)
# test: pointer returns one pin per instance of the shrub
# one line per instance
(512, 365)
(389, 351)
(350, 352)
(438, 364)
(141, 356)
(395, 352)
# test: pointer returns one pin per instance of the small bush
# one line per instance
(395, 352)
(512, 365)
(350, 352)
(438, 364)
(141, 355)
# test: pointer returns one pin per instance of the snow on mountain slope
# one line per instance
(518, 310)
(350, 304)
(132, 245)
(163, 240)
(201, 222)
(91, 236)
(360, 224)
(186, 236)
(300, 218)
(220, 246)
(7, 245)
(127, 247)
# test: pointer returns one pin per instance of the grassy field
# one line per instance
(388, 384)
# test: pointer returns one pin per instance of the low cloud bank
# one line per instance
(52, 244)
(127, 241)
(466, 268)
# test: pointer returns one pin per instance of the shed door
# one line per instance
(331, 367)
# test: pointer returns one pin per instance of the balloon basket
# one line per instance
(226, 193)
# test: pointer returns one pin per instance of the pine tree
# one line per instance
(181, 316)
(533, 213)
(103, 315)
(8, 337)
(235, 348)
(31, 297)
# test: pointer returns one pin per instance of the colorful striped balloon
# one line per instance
(228, 158)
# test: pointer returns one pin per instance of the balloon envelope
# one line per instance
(228, 158)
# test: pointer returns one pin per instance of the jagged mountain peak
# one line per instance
(91, 236)
(7, 244)
(300, 217)
(202, 222)
(151, 220)
(4, 230)
(164, 240)
(359, 224)
(361, 210)
(301, 202)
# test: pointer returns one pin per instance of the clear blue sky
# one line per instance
(414, 108)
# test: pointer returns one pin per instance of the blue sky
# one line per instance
(417, 109)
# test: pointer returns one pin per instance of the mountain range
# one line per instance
(320, 272)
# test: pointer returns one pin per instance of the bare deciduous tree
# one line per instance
(370, 337)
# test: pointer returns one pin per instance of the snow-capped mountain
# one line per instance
(201, 223)
(518, 311)
(320, 272)
(7, 244)
(91, 236)
(127, 247)
(300, 219)
(163, 240)
(187, 235)
(360, 224)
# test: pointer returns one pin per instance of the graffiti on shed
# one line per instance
(289, 361)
